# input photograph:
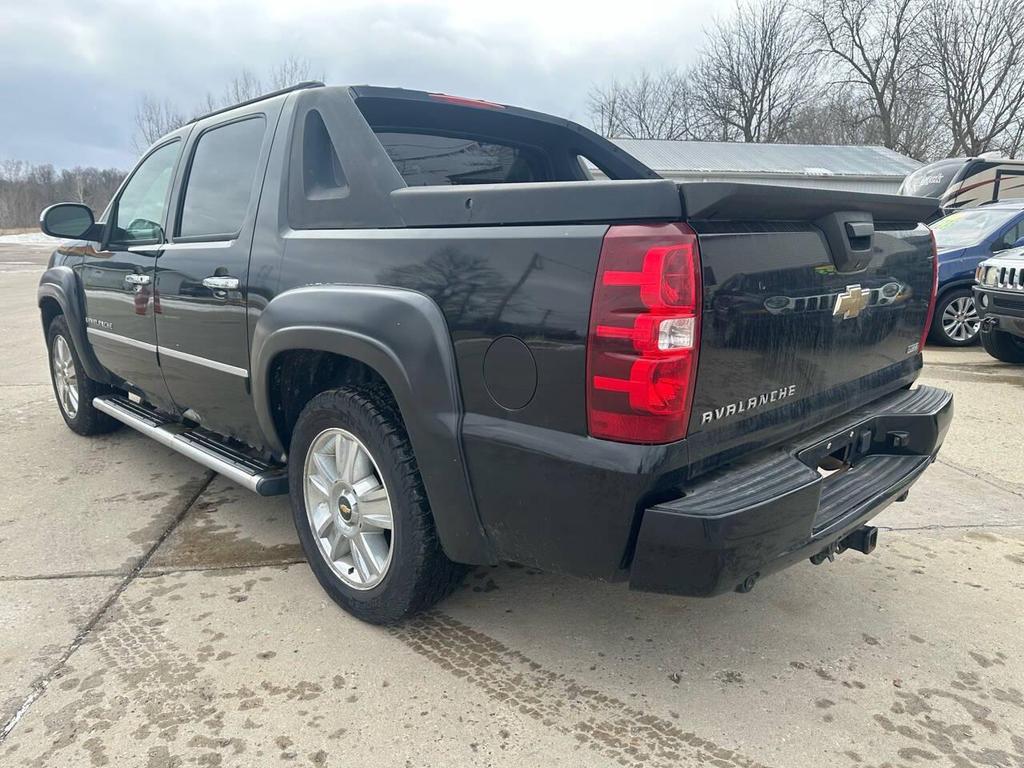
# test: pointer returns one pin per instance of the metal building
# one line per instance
(861, 169)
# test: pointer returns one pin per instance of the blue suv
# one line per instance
(964, 239)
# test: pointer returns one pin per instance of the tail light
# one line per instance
(644, 334)
(931, 300)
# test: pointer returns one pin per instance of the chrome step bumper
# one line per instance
(253, 474)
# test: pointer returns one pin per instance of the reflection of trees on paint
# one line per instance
(466, 288)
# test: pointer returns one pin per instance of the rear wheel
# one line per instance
(956, 322)
(360, 509)
(73, 388)
(1003, 346)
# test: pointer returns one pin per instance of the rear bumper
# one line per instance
(761, 515)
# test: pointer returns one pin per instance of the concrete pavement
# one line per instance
(155, 615)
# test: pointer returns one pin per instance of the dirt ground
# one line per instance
(155, 615)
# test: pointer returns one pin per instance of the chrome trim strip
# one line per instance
(96, 332)
(195, 359)
(205, 361)
(202, 245)
(172, 441)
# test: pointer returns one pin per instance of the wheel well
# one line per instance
(49, 308)
(945, 290)
(299, 375)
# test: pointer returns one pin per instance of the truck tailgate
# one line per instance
(803, 316)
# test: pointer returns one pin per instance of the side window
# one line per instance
(1016, 232)
(141, 208)
(1009, 237)
(220, 179)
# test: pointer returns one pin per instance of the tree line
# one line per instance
(25, 189)
(928, 78)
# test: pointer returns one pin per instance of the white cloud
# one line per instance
(80, 67)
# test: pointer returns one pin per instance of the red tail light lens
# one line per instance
(935, 290)
(644, 334)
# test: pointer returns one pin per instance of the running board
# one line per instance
(258, 476)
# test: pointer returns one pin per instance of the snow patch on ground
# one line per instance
(29, 238)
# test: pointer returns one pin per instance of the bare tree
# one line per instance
(26, 189)
(243, 86)
(975, 59)
(154, 118)
(649, 106)
(1012, 143)
(872, 47)
(752, 76)
(292, 71)
(831, 118)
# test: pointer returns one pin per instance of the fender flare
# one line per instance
(60, 284)
(402, 335)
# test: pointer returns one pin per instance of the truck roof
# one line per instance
(262, 97)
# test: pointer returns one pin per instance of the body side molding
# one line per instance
(402, 335)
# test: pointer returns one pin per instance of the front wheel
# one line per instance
(1003, 346)
(360, 509)
(73, 388)
(956, 322)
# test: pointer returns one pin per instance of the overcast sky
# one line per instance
(72, 71)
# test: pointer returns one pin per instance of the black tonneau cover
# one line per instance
(559, 202)
(747, 202)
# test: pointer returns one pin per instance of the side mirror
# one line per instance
(1018, 243)
(68, 221)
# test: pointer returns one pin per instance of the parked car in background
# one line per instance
(963, 240)
(999, 295)
(967, 182)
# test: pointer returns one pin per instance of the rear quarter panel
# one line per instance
(533, 283)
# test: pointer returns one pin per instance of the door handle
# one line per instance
(219, 283)
(136, 279)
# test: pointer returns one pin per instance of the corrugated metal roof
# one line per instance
(788, 159)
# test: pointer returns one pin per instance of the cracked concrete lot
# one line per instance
(155, 615)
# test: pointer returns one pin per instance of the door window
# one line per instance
(220, 180)
(141, 208)
(1010, 236)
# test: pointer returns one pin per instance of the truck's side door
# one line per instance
(202, 273)
(117, 279)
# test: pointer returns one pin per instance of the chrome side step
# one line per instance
(258, 476)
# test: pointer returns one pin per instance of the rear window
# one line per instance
(425, 159)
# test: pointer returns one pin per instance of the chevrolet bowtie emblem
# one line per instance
(851, 302)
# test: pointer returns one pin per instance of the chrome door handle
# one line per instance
(221, 283)
(136, 279)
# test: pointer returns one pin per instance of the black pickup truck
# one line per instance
(421, 317)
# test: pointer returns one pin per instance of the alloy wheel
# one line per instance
(64, 376)
(348, 508)
(960, 321)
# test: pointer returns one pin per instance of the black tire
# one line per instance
(85, 420)
(1003, 346)
(938, 334)
(419, 573)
